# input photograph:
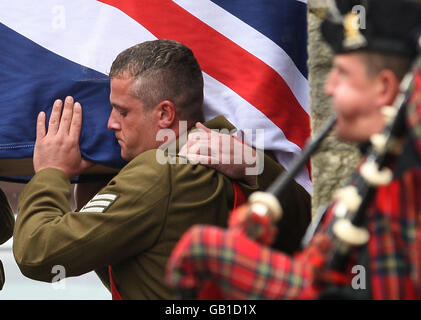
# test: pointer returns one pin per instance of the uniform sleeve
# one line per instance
(122, 220)
(7, 219)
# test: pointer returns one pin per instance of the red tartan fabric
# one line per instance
(395, 243)
(210, 291)
(245, 269)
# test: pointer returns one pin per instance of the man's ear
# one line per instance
(165, 111)
(388, 87)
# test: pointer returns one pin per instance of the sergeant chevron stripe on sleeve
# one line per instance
(99, 203)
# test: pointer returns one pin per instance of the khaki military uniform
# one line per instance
(132, 224)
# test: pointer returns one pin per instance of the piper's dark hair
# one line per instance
(377, 61)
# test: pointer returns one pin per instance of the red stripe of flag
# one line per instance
(225, 61)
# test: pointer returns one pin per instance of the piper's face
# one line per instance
(355, 98)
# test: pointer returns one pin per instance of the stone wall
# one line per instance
(335, 160)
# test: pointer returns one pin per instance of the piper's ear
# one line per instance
(166, 114)
(387, 88)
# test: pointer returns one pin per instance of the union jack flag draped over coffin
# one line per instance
(252, 53)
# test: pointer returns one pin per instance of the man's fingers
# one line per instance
(202, 127)
(197, 158)
(183, 151)
(40, 126)
(76, 123)
(54, 122)
(198, 136)
(201, 147)
(66, 117)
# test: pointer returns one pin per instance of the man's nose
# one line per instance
(113, 123)
(330, 84)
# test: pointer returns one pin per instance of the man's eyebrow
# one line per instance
(117, 106)
(339, 67)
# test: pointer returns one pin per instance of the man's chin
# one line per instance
(126, 158)
(350, 136)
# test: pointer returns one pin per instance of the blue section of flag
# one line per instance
(31, 79)
(282, 21)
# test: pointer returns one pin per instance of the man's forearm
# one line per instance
(44, 199)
